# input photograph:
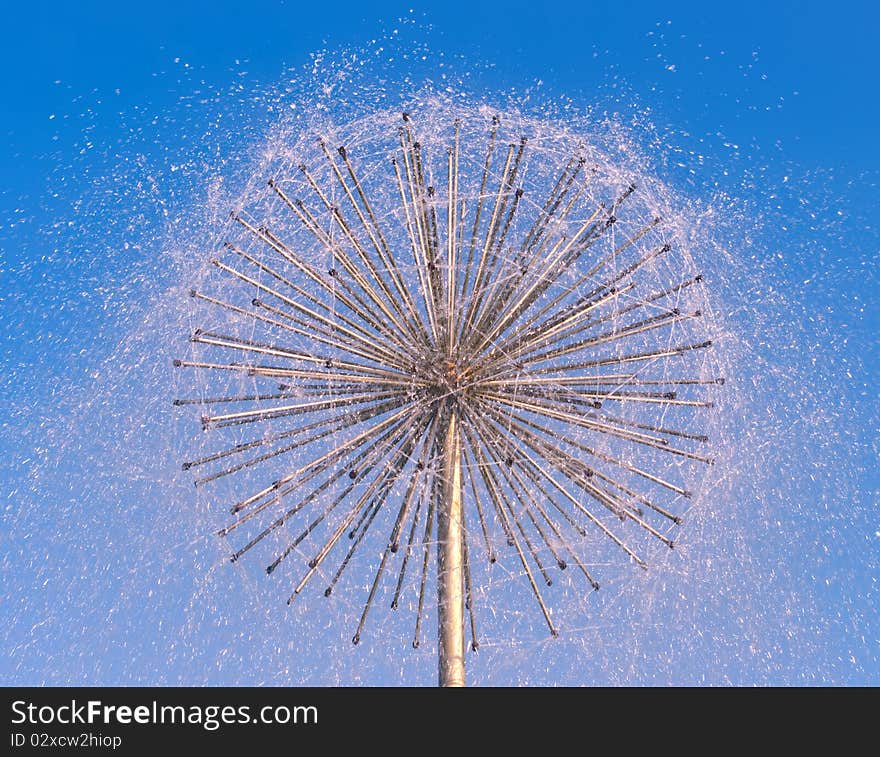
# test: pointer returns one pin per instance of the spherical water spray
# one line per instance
(454, 330)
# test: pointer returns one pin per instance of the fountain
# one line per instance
(112, 570)
(459, 323)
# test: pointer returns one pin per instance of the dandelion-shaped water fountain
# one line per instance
(471, 330)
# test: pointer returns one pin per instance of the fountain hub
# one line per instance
(444, 377)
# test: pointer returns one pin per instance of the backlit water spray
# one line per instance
(467, 333)
(403, 337)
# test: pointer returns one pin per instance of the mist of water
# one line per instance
(112, 570)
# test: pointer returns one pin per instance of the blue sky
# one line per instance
(791, 71)
(101, 100)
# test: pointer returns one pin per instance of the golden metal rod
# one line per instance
(383, 250)
(479, 211)
(409, 544)
(450, 559)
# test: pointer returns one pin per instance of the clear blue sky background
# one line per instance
(820, 59)
(792, 85)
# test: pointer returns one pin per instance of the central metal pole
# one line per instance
(450, 560)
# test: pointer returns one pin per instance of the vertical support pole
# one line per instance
(450, 560)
